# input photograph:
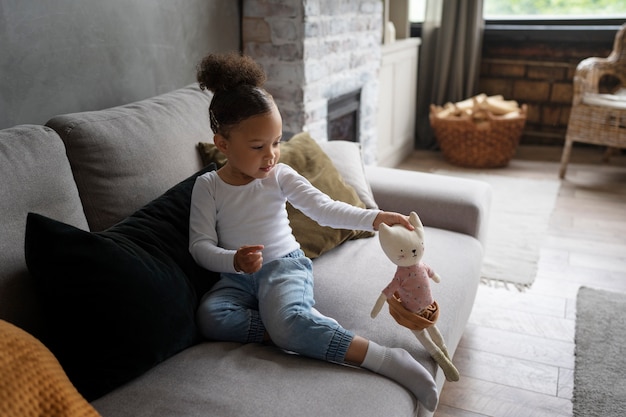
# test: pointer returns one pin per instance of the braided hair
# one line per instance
(237, 85)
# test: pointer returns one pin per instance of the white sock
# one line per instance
(398, 365)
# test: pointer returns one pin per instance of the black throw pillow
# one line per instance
(118, 302)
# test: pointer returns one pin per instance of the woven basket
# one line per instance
(486, 144)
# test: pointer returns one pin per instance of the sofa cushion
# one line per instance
(255, 380)
(304, 155)
(33, 382)
(126, 156)
(348, 280)
(119, 301)
(36, 176)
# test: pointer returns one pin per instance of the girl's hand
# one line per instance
(248, 259)
(390, 218)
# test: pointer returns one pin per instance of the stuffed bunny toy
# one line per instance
(408, 294)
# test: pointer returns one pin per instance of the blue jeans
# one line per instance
(278, 299)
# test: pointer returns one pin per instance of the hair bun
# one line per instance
(221, 72)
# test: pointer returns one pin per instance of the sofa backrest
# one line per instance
(35, 176)
(124, 157)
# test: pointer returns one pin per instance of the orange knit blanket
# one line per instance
(32, 382)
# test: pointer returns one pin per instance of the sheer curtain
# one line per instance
(449, 63)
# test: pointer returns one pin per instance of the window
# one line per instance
(550, 10)
(417, 10)
(542, 20)
(553, 10)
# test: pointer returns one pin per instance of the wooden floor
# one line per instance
(517, 354)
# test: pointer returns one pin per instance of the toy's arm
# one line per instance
(379, 305)
(432, 274)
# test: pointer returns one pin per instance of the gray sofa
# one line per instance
(91, 170)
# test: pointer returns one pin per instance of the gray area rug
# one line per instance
(599, 380)
(520, 213)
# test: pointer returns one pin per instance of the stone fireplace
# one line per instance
(316, 53)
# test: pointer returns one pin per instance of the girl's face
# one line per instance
(252, 148)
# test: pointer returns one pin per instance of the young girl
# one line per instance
(239, 227)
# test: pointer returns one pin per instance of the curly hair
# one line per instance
(237, 84)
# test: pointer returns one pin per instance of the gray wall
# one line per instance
(62, 56)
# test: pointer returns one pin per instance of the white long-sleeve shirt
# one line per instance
(224, 217)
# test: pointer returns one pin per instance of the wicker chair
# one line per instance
(598, 118)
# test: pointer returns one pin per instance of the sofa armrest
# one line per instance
(444, 202)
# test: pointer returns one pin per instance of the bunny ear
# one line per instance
(383, 230)
(415, 220)
(417, 223)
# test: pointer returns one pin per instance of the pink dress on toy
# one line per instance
(411, 283)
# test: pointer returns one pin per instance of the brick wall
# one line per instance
(316, 50)
(540, 76)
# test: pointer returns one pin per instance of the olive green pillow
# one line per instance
(304, 155)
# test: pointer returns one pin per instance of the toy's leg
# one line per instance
(452, 374)
(436, 336)
(449, 370)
